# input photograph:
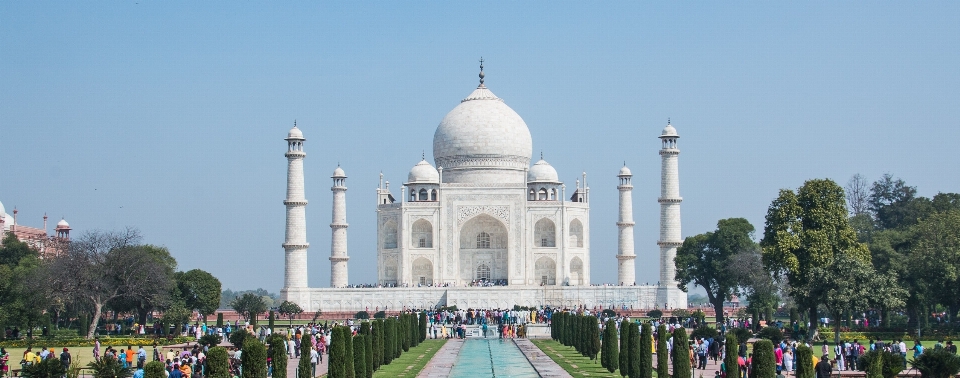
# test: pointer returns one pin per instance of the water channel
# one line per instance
(491, 358)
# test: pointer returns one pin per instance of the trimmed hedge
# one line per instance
(348, 347)
(304, 368)
(805, 362)
(646, 352)
(278, 355)
(681, 354)
(154, 369)
(254, 359)
(764, 362)
(610, 356)
(731, 362)
(336, 366)
(634, 358)
(663, 360)
(359, 356)
(218, 363)
(624, 363)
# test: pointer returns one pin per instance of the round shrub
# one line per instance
(764, 362)
(704, 332)
(154, 369)
(771, 333)
(254, 359)
(218, 363)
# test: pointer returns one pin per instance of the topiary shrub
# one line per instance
(655, 314)
(804, 364)
(218, 363)
(889, 367)
(361, 315)
(771, 333)
(937, 363)
(634, 352)
(359, 356)
(704, 332)
(764, 362)
(109, 367)
(731, 363)
(272, 320)
(593, 336)
(253, 360)
(210, 340)
(304, 368)
(48, 368)
(610, 356)
(404, 325)
(681, 354)
(348, 368)
(646, 352)
(608, 313)
(389, 341)
(154, 369)
(376, 330)
(238, 337)
(380, 315)
(624, 363)
(422, 322)
(278, 355)
(336, 368)
(742, 334)
(219, 319)
(663, 354)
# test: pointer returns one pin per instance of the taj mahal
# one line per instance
(482, 227)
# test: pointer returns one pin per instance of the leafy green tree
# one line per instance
(634, 351)
(239, 337)
(805, 362)
(20, 266)
(681, 354)
(305, 368)
(935, 260)
(359, 356)
(894, 204)
(177, 314)
(663, 354)
(336, 367)
(804, 231)
(764, 362)
(592, 336)
(610, 356)
(937, 363)
(278, 355)
(703, 259)
(624, 353)
(253, 360)
(646, 351)
(218, 363)
(200, 291)
(249, 306)
(289, 310)
(154, 369)
(348, 357)
(376, 329)
(731, 362)
(389, 341)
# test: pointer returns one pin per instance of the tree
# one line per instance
(305, 368)
(681, 354)
(271, 320)
(634, 352)
(937, 363)
(805, 230)
(348, 356)
(702, 260)
(20, 266)
(239, 337)
(772, 333)
(389, 341)
(100, 267)
(249, 306)
(359, 356)
(278, 355)
(610, 356)
(48, 368)
(857, 195)
(367, 348)
(337, 366)
(200, 291)
(592, 333)
(376, 329)
(894, 204)
(624, 357)
(423, 326)
(645, 366)
(764, 363)
(289, 310)
(177, 314)
(753, 280)
(935, 259)
(730, 361)
(663, 354)
(253, 361)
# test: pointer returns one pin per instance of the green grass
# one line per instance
(411, 362)
(573, 362)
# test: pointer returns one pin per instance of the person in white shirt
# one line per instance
(314, 360)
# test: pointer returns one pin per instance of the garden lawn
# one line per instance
(411, 362)
(574, 363)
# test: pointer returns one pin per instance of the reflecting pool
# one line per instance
(491, 358)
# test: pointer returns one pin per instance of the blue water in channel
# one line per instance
(491, 358)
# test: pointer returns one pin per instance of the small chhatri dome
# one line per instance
(338, 173)
(669, 131)
(62, 223)
(625, 171)
(542, 172)
(295, 133)
(423, 173)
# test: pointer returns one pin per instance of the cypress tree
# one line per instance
(278, 355)
(423, 326)
(663, 358)
(154, 369)
(405, 332)
(625, 348)
(367, 348)
(389, 341)
(553, 327)
(610, 356)
(681, 354)
(646, 351)
(218, 363)
(304, 369)
(271, 321)
(359, 356)
(577, 335)
(594, 337)
(398, 339)
(348, 369)
(335, 365)
(254, 359)
(804, 362)
(220, 322)
(731, 362)
(764, 363)
(376, 330)
(634, 351)
(875, 368)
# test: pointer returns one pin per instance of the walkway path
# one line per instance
(543, 364)
(292, 364)
(442, 362)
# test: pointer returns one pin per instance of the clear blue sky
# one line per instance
(170, 116)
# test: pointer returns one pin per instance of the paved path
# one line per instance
(543, 364)
(292, 364)
(442, 362)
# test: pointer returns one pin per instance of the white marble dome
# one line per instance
(62, 223)
(338, 173)
(482, 133)
(423, 173)
(295, 133)
(625, 171)
(542, 172)
(669, 131)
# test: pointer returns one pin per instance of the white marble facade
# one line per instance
(482, 214)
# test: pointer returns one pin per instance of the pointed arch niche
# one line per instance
(576, 233)
(544, 234)
(422, 234)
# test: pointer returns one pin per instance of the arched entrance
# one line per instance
(422, 271)
(483, 250)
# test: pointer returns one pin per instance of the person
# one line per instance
(66, 359)
(918, 349)
(938, 345)
(175, 372)
(123, 358)
(839, 354)
(4, 362)
(139, 372)
(141, 356)
(96, 348)
(951, 348)
(854, 355)
(156, 353)
(788, 360)
(823, 367)
(314, 360)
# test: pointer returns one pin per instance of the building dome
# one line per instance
(423, 173)
(295, 133)
(625, 171)
(542, 172)
(480, 135)
(338, 173)
(669, 131)
(62, 223)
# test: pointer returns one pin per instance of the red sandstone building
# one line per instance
(47, 245)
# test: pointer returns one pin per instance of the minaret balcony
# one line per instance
(670, 200)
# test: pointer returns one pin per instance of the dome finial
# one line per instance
(481, 71)
(668, 120)
(541, 155)
(423, 155)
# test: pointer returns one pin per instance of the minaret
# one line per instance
(626, 272)
(669, 295)
(295, 242)
(338, 226)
